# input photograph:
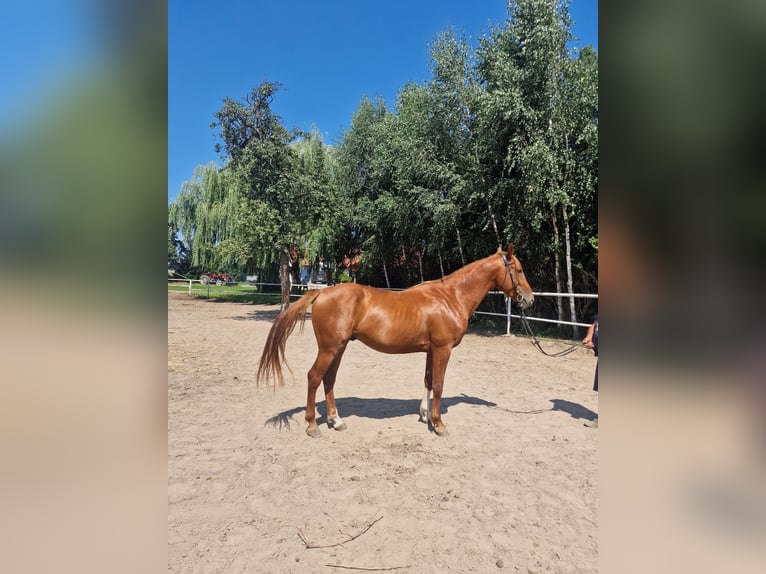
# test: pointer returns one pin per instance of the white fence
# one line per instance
(508, 314)
(222, 288)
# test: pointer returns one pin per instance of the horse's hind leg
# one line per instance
(316, 373)
(333, 418)
(428, 383)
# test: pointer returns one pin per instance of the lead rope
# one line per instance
(525, 322)
(537, 344)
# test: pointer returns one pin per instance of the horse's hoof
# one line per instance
(341, 426)
(441, 431)
(314, 433)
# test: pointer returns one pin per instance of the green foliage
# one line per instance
(544, 98)
(275, 188)
(178, 255)
(205, 214)
(343, 277)
(362, 176)
(500, 144)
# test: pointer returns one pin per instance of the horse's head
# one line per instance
(512, 281)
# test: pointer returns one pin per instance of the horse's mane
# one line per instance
(458, 275)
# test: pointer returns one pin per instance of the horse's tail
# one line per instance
(273, 355)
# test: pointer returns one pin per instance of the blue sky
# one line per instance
(327, 56)
(42, 45)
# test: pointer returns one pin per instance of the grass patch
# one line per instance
(228, 293)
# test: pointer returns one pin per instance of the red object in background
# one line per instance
(217, 278)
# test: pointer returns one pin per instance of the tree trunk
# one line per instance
(568, 245)
(494, 223)
(460, 245)
(557, 266)
(486, 196)
(385, 272)
(284, 276)
(441, 263)
(420, 265)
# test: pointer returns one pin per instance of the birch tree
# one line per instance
(548, 99)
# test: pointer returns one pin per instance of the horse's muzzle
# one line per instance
(525, 301)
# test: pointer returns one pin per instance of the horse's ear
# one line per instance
(510, 250)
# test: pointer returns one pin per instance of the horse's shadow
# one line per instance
(383, 408)
(575, 410)
(267, 315)
(377, 408)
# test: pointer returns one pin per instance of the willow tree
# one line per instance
(205, 213)
(178, 257)
(281, 192)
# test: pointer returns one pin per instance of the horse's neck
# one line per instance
(473, 282)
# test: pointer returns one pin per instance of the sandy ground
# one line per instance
(512, 488)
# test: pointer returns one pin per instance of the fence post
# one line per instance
(190, 281)
(508, 315)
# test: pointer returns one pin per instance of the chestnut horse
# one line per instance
(430, 318)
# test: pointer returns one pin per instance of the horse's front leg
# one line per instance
(333, 418)
(440, 359)
(424, 405)
(428, 382)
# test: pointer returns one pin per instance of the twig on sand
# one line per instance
(366, 569)
(350, 538)
(534, 412)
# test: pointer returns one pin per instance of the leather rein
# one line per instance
(525, 322)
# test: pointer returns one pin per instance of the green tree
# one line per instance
(455, 91)
(205, 213)
(178, 256)
(364, 177)
(324, 233)
(548, 143)
(280, 198)
(501, 143)
(273, 193)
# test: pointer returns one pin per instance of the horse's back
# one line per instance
(387, 321)
(344, 301)
(340, 294)
(335, 307)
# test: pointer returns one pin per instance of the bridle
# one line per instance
(524, 321)
(508, 265)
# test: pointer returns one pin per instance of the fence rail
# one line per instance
(508, 314)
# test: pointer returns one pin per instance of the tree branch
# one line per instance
(366, 569)
(312, 545)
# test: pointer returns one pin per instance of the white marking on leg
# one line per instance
(334, 421)
(424, 406)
